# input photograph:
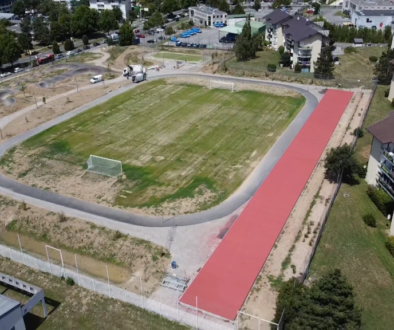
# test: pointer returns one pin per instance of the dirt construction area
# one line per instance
(293, 250)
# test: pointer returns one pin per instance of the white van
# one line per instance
(96, 79)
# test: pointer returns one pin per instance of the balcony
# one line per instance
(304, 63)
(386, 187)
(387, 171)
(389, 157)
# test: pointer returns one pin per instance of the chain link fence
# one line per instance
(182, 314)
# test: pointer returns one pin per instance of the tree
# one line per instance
(41, 31)
(108, 21)
(316, 8)
(65, 24)
(224, 6)
(257, 5)
(68, 45)
(85, 39)
(25, 25)
(328, 304)
(57, 32)
(341, 160)
(10, 49)
(245, 45)
(169, 6)
(19, 8)
(324, 66)
(169, 31)
(280, 3)
(85, 20)
(126, 37)
(384, 69)
(156, 19)
(238, 10)
(55, 48)
(285, 59)
(188, 3)
(24, 41)
(118, 14)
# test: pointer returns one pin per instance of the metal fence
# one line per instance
(339, 183)
(190, 316)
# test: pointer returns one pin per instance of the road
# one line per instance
(242, 195)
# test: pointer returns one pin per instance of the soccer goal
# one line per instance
(221, 84)
(104, 166)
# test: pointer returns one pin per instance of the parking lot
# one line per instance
(208, 36)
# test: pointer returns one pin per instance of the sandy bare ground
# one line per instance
(54, 108)
(98, 245)
(292, 251)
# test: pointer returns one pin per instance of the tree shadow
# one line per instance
(350, 180)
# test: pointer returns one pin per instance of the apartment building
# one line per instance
(372, 19)
(6, 6)
(207, 16)
(123, 5)
(302, 38)
(381, 159)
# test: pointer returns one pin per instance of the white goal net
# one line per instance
(221, 84)
(104, 166)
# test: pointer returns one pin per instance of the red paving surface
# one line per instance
(224, 282)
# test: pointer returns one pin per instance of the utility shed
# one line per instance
(11, 314)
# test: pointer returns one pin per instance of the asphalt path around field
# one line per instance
(237, 199)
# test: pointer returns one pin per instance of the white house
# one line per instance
(207, 16)
(123, 5)
(356, 5)
(372, 19)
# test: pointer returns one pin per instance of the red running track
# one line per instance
(224, 282)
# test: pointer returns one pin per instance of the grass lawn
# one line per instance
(173, 139)
(178, 57)
(82, 58)
(352, 68)
(73, 307)
(358, 250)
(356, 66)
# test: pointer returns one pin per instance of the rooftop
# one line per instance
(373, 2)
(300, 28)
(383, 130)
(375, 12)
(7, 305)
(208, 10)
(277, 16)
(6, 16)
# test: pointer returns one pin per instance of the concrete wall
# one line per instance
(391, 93)
(374, 162)
(13, 319)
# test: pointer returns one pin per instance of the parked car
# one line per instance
(161, 38)
(5, 74)
(151, 33)
(70, 52)
(86, 47)
(137, 31)
(96, 44)
(96, 79)
(16, 70)
(140, 35)
(150, 41)
(79, 50)
(58, 56)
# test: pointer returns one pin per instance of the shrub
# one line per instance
(271, 67)
(390, 245)
(359, 132)
(70, 281)
(373, 59)
(297, 68)
(68, 45)
(349, 50)
(85, 39)
(362, 171)
(55, 48)
(110, 42)
(62, 217)
(369, 220)
(117, 235)
(381, 199)
(386, 93)
(281, 50)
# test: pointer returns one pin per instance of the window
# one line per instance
(368, 20)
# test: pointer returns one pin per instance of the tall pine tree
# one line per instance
(324, 66)
(245, 46)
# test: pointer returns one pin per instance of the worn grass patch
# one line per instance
(178, 57)
(173, 139)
